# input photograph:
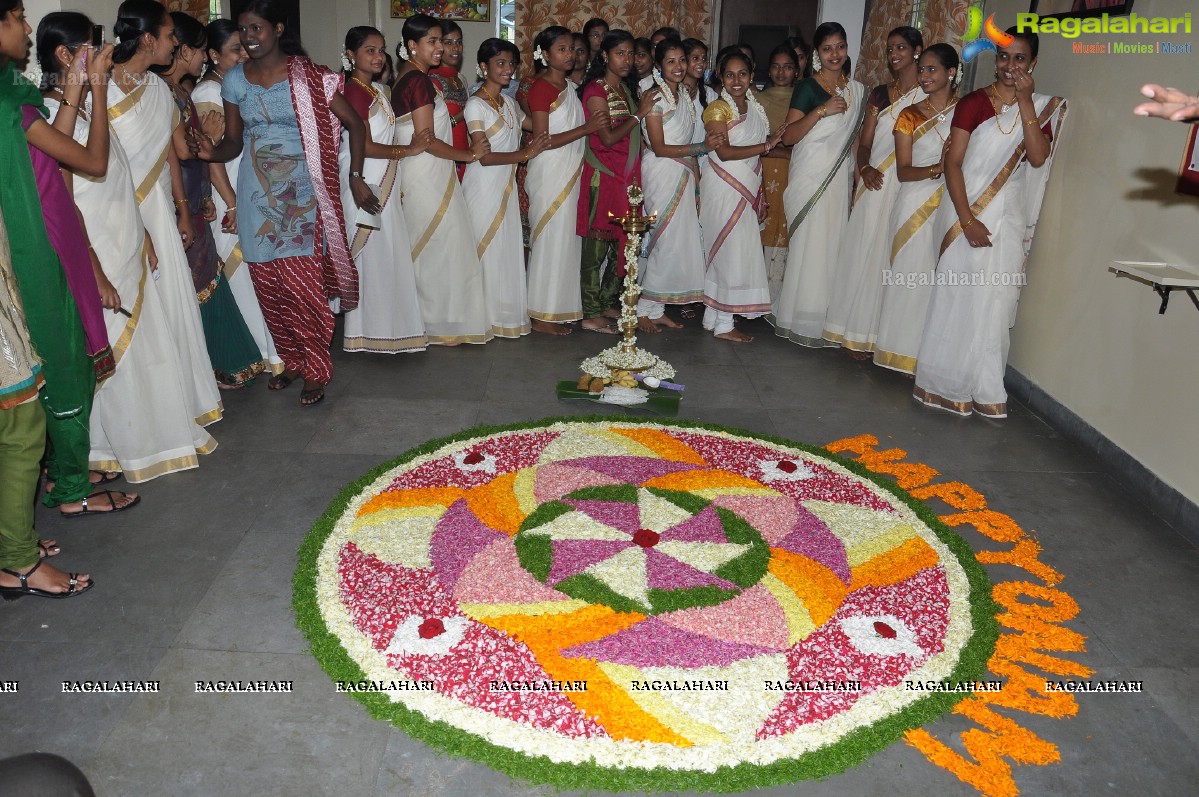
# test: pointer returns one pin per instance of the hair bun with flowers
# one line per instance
(346, 64)
(480, 71)
(402, 52)
(539, 56)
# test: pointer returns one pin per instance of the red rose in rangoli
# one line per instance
(430, 628)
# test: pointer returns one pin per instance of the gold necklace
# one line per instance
(939, 115)
(895, 99)
(500, 108)
(837, 88)
(995, 107)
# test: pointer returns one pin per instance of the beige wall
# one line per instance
(1092, 341)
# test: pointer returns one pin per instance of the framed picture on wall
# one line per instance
(1080, 8)
(465, 10)
(1188, 173)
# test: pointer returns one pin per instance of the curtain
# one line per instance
(943, 21)
(194, 8)
(691, 17)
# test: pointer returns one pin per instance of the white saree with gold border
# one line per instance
(449, 278)
(816, 201)
(963, 354)
(852, 317)
(494, 207)
(143, 122)
(555, 249)
(141, 422)
(388, 318)
(912, 253)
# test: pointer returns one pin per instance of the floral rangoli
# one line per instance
(636, 606)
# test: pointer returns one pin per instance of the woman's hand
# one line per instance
(229, 221)
(1024, 83)
(187, 233)
(364, 197)
(421, 141)
(212, 124)
(872, 178)
(208, 209)
(977, 233)
(480, 148)
(598, 121)
(109, 298)
(151, 254)
(536, 146)
(835, 105)
(647, 101)
(1168, 103)
(99, 64)
(715, 139)
(944, 156)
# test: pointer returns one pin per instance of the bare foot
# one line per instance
(644, 324)
(860, 356)
(737, 336)
(48, 548)
(549, 328)
(48, 579)
(668, 322)
(612, 312)
(100, 502)
(599, 324)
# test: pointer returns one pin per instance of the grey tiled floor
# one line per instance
(196, 582)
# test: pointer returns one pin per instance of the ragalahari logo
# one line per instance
(995, 38)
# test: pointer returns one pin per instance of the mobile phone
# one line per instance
(97, 36)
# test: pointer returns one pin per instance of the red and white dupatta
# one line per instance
(312, 91)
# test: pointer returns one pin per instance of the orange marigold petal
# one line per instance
(663, 444)
(701, 480)
(814, 584)
(495, 504)
(895, 565)
(417, 496)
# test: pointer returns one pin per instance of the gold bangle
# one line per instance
(823, 111)
(1032, 121)
(967, 224)
(179, 202)
(932, 173)
(68, 103)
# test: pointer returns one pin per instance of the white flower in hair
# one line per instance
(667, 96)
(346, 64)
(816, 66)
(402, 52)
(539, 56)
(728, 100)
(481, 72)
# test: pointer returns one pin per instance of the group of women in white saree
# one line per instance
(923, 273)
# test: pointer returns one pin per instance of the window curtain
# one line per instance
(693, 18)
(943, 21)
(193, 8)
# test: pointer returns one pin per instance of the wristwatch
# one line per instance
(356, 174)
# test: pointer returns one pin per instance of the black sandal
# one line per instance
(12, 593)
(113, 504)
(279, 381)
